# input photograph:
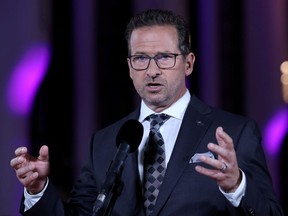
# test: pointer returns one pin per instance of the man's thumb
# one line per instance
(44, 153)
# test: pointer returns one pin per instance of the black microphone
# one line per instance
(128, 139)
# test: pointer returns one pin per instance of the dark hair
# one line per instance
(153, 17)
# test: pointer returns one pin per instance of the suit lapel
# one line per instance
(195, 123)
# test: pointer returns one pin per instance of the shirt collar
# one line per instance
(176, 110)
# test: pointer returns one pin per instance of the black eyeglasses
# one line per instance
(163, 61)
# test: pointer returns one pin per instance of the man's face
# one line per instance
(159, 88)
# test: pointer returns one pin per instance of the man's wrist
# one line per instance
(36, 192)
(236, 196)
(234, 188)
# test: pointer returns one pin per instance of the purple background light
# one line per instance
(275, 131)
(27, 77)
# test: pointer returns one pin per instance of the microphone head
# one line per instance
(131, 133)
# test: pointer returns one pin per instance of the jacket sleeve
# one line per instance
(259, 198)
(49, 204)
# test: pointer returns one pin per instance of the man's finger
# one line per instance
(29, 179)
(20, 151)
(44, 153)
(212, 173)
(216, 164)
(16, 162)
(24, 171)
(223, 138)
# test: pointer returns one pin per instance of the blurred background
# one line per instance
(64, 75)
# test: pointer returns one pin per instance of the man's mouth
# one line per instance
(154, 86)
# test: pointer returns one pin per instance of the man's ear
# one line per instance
(190, 59)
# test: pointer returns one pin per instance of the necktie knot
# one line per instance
(157, 120)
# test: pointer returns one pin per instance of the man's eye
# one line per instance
(140, 58)
(163, 57)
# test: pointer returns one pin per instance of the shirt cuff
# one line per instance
(235, 197)
(31, 199)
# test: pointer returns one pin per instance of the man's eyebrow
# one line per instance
(141, 53)
(158, 53)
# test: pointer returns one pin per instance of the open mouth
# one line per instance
(154, 86)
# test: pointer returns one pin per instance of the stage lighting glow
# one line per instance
(275, 132)
(26, 78)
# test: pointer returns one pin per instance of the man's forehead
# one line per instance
(153, 40)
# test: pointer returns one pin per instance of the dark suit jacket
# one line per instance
(184, 191)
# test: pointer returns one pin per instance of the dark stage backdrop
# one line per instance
(220, 25)
(239, 46)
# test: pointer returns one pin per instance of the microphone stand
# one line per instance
(109, 193)
(115, 193)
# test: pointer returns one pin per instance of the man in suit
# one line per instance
(213, 162)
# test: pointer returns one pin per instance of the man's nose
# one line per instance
(153, 70)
